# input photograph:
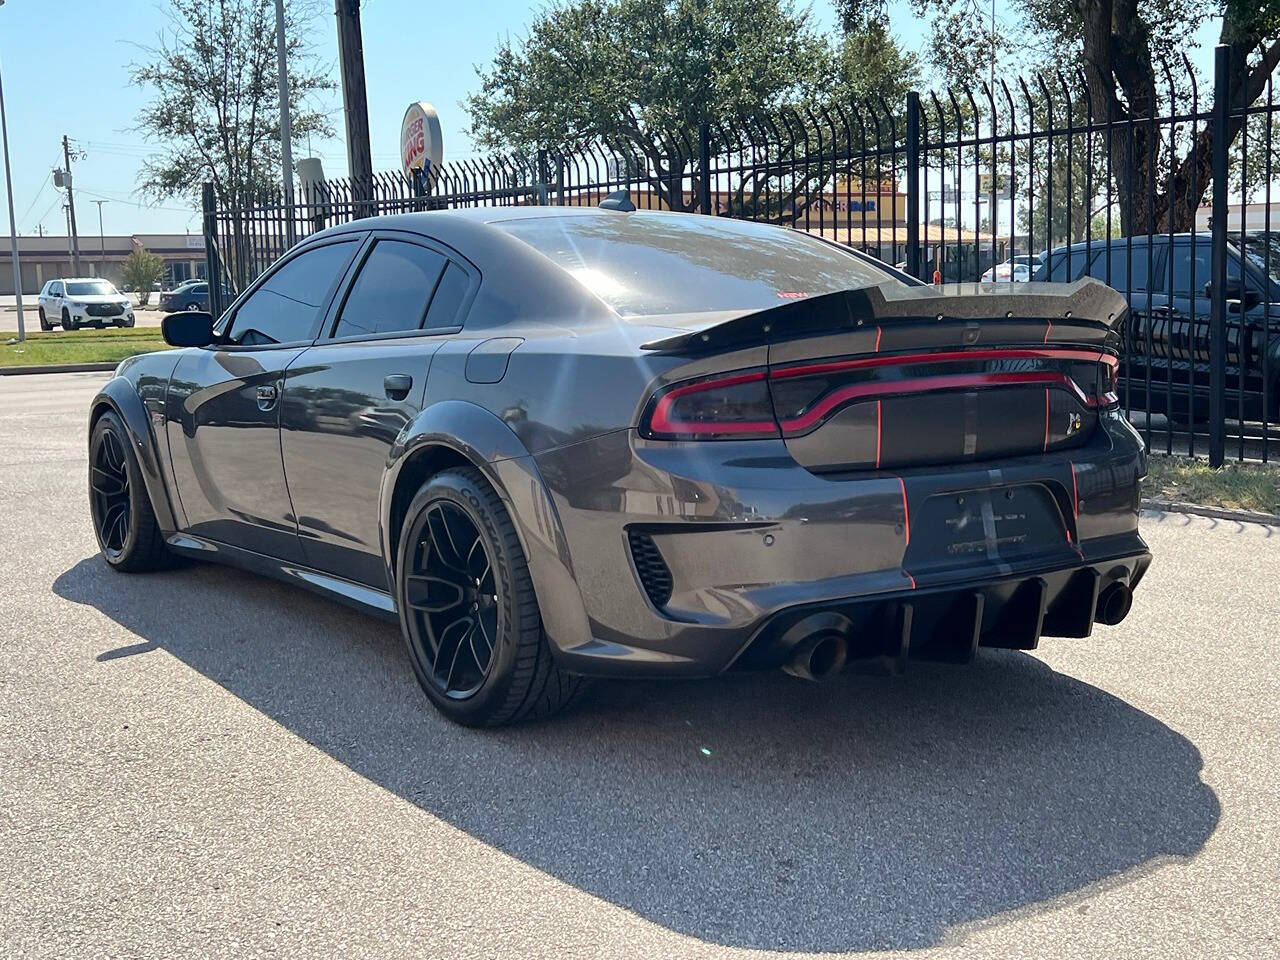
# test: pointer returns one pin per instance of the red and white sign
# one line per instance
(420, 141)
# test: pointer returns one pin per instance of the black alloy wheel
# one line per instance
(109, 494)
(123, 518)
(452, 593)
(468, 609)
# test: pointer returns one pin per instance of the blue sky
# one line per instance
(413, 51)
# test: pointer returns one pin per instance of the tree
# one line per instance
(214, 108)
(1121, 44)
(643, 75)
(141, 271)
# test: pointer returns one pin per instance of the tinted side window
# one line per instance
(1193, 269)
(1062, 271)
(287, 308)
(1128, 268)
(392, 290)
(448, 299)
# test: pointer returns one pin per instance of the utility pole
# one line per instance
(102, 240)
(286, 122)
(13, 228)
(71, 206)
(354, 99)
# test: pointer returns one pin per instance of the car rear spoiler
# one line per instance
(1086, 311)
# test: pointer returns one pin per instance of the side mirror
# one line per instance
(1234, 289)
(188, 328)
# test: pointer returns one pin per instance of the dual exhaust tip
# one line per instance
(817, 647)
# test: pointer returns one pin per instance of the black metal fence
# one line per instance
(1165, 195)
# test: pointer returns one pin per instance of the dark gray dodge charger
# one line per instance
(557, 443)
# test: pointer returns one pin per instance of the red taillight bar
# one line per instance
(958, 381)
(660, 420)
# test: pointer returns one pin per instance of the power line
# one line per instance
(104, 195)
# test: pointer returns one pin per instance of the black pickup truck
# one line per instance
(1166, 339)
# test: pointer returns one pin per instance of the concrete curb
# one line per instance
(1213, 513)
(60, 368)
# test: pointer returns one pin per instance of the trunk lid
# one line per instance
(894, 377)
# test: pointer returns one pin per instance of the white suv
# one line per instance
(83, 302)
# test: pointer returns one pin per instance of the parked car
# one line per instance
(1166, 281)
(1017, 269)
(557, 442)
(192, 295)
(83, 302)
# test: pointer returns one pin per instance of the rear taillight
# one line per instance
(1108, 382)
(793, 400)
(717, 408)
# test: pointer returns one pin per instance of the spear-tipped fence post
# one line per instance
(913, 183)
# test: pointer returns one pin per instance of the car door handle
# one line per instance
(397, 385)
(267, 394)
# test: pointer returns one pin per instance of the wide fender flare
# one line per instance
(120, 396)
(477, 435)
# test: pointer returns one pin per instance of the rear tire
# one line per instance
(124, 522)
(462, 588)
(44, 321)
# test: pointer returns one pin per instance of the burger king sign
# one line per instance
(421, 146)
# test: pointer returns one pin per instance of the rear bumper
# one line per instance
(750, 541)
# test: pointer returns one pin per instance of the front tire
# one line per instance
(67, 324)
(468, 609)
(129, 538)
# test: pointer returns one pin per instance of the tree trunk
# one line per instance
(1117, 53)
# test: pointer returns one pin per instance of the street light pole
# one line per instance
(286, 122)
(13, 227)
(102, 239)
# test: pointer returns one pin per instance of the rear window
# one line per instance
(645, 263)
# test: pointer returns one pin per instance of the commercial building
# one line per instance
(46, 258)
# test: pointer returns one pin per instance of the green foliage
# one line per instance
(635, 69)
(141, 270)
(214, 108)
(632, 71)
(82, 346)
(1120, 46)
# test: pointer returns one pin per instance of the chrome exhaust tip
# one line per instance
(817, 646)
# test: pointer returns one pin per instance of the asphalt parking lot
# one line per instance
(201, 763)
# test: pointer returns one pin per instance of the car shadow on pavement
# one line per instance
(753, 811)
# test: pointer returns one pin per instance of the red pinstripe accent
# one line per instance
(906, 514)
(878, 332)
(879, 433)
(1046, 418)
(911, 578)
(1048, 330)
